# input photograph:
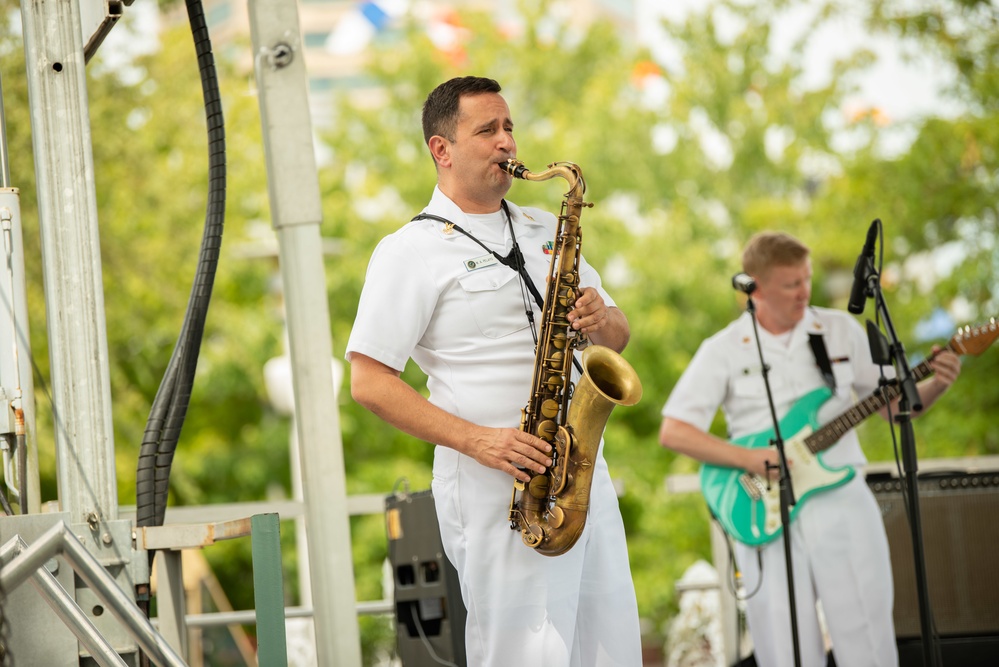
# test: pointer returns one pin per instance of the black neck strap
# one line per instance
(514, 259)
(822, 359)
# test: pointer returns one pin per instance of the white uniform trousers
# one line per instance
(839, 551)
(577, 609)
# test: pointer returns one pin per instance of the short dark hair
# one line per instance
(440, 111)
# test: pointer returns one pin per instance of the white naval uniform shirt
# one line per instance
(466, 328)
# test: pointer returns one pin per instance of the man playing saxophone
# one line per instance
(445, 290)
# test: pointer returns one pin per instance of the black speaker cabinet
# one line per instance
(960, 526)
(429, 613)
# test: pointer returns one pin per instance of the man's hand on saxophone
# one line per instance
(604, 325)
(510, 450)
(380, 389)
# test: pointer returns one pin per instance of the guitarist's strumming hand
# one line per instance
(762, 462)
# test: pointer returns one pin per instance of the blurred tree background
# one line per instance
(685, 157)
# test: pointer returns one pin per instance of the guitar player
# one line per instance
(838, 542)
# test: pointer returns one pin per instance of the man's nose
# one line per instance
(506, 141)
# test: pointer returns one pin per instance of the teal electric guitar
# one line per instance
(749, 509)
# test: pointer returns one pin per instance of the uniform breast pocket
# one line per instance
(752, 388)
(495, 301)
(748, 385)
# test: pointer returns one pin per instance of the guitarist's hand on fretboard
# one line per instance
(946, 366)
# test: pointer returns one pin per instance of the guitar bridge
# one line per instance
(753, 486)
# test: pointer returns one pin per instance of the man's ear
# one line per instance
(440, 148)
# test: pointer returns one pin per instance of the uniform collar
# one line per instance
(809, 324)
(442, 205)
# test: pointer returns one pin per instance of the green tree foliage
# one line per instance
(940, 194)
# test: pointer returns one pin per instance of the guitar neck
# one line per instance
(829, 435)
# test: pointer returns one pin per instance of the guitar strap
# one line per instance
(822, 359)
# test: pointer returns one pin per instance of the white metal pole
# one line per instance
(74, 294)
(296, 211)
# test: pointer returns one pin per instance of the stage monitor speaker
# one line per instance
(960, 525)
(429, 613)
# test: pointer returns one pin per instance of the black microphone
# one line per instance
(862, 270)
(743, 283)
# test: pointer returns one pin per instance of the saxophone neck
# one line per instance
(567, 170)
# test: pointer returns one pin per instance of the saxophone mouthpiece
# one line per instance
(515, 168)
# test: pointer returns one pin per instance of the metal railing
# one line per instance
(23, 562)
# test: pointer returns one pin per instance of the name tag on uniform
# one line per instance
(480, 262)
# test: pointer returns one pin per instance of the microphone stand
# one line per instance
(908, 400)
(786, 490)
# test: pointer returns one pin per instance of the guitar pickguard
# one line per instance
(746, 505)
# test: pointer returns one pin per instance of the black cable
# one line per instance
(169, 408)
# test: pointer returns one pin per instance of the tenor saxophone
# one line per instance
(550, 510)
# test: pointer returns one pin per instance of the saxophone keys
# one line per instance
(555, 362)
(532, 535)
(538, 486)
(560, 474)
(549, 408)
(556, 516)
(546, 430)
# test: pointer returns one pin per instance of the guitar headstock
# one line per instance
(975, 340)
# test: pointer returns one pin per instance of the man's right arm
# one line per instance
(685, 438)
(380, 388)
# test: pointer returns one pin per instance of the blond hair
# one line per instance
(769, 249)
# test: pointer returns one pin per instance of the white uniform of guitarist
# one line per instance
(839, 548)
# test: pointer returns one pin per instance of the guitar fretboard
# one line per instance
(829, 435)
